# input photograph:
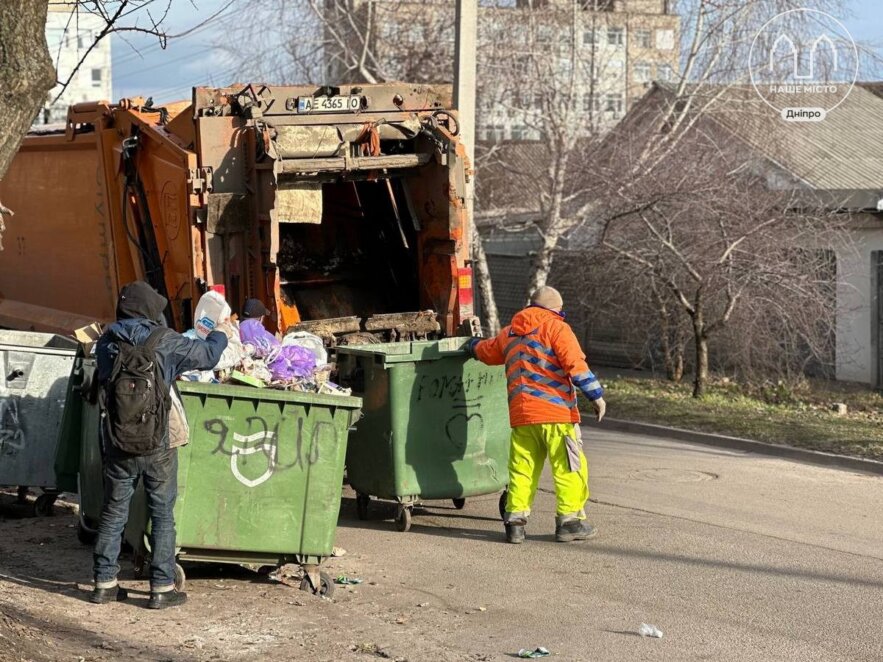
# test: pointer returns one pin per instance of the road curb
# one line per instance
(749, 445)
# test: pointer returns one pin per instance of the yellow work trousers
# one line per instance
(528, 448)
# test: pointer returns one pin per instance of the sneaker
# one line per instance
(515, 533)
(101, 596)
(166, 599)
(574, 529)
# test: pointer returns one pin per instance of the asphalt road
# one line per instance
(733, 556)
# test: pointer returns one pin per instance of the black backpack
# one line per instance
(135, 399)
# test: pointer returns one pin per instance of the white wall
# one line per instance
(856, 353)
(69, 36)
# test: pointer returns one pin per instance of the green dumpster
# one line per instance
(78, 459)
(435, 424)
(258, 484)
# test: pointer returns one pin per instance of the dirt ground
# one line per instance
(232, 614)
(733, 556)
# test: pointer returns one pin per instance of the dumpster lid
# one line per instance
(409, 352)
(277, 395)
(37, 341)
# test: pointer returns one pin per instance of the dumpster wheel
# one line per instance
(180, 578)
(362, 501)
(326, 585)
(403, 519)
(459, 504)
(85, 535)
(44, 505)
(139, 565)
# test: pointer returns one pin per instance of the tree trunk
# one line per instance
(701, 377)
(673, 356)
(541, 266)
(26, 72)
(482, 279)
(672, 348)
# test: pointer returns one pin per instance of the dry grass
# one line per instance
(772, 413)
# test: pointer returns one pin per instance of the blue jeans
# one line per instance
(121, 474)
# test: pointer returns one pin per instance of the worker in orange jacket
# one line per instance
(544, 367)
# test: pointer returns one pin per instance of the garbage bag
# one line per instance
(258, 342)
(308, 341)
(292, 362)
(234, 352)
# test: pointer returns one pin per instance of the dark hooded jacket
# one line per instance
(139, 311)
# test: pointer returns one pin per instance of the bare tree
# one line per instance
(687, 215)
(27, 73)
(544, 70)
(705, 227)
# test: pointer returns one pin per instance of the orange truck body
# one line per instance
(332, 213)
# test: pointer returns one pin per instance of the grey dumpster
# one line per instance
(35, 368)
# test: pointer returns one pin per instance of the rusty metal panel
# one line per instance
(58, 246)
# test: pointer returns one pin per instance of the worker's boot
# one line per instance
(101, 596)
(573, 529)
(166, 599)
(515, 530)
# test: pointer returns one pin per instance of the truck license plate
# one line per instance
(339, 104)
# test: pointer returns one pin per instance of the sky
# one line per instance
(142, 68)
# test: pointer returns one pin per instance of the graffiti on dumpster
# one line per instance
(12, 435)
(259, 437)
(266, 445)
(456, 427)
(263, 441)
(463, 396)
(454, 388)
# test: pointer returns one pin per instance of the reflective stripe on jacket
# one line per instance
(544, 367)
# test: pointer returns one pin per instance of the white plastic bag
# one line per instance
(310, 342)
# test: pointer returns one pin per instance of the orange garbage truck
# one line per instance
(341, 208)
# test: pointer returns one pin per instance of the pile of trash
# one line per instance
(256, 357)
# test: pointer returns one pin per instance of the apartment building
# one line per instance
(70, 32)
(584, 62)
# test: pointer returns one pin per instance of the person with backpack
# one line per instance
(139, 359)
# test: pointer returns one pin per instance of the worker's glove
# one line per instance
(600, 408)
(470, 345)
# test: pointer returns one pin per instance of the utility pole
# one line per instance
(464, 72)
(464, 102)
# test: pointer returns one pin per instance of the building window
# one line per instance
(544, 34)
(642, 72)
(615, 104)
(614, 69)
(664, 72)
(97, 77)
(497, 132)
(588, 37)
(615, 36)
(665, 40)
(587, 102)
(519, 132)
(643, 38)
